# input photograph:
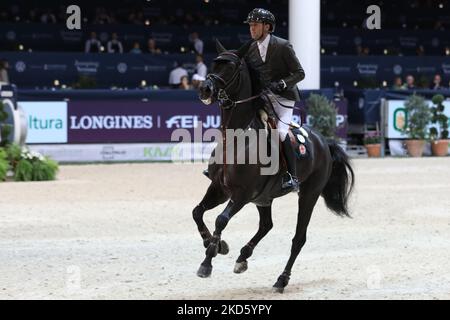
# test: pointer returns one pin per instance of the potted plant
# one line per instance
(4, 165)
(29, 165)
(418, 115)
(5, 129)
(322, 115)
(372, 143)
(439, 130)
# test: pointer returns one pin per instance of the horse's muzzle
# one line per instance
(206, 92)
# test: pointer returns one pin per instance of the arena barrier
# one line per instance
(130, 128)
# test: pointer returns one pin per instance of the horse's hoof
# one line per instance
(204, 271)
(240, 267)
(223, 247)
(281, 283)
(278, 289)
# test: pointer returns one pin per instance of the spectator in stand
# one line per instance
(197, 81)
(410, 83)
(102, 17)
(184, 84)
(359, 50)
(93, 45)
(114, 45)
(362, 51)
(200, 67)
(4, 78)
(176, 74)
(32, 16)
(4, 17)
(437, 82)
(151, 47)
(366, 51)
(136, 18)
(420, 51)
(398, 84)
(48, 17)
(197, 42)
(136, 48)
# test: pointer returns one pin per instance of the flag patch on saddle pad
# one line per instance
(300, 141)
(302, 149)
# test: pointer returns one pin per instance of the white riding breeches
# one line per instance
(284, 114)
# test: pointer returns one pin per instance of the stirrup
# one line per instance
(206, 173)
(292, 183)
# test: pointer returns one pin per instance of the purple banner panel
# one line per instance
(136, 121)
(153, 121)
(341, 117)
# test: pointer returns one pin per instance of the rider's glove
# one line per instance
(278, 87)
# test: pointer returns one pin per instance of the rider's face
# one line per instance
(256, 30)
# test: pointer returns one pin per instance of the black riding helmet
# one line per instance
(261, 15)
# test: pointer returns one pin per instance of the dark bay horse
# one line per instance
(327, 172)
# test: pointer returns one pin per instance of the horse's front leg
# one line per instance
(265, 225)
(213, 248)
(214, 196)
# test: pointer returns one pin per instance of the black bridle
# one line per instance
(222, 96)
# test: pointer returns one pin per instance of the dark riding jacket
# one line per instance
(281, 64)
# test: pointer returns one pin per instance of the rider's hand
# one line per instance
(278, 87)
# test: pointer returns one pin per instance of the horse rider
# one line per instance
(273, 65)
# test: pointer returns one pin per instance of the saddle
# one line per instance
(299, 135)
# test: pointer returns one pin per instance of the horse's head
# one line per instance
(225, 72)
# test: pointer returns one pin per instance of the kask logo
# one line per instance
(122, 67)
(398, 69)
(20, 66)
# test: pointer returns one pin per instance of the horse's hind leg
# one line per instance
(306, 202)
(221, 222)
(265, 225)
(214, 196)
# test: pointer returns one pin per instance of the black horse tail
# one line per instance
(341, 182)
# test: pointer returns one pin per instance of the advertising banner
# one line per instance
(47, 121)
(396, 117)
(78, 153)
(133, 121)
(137, 121)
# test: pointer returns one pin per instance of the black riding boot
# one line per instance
(290, 180)
(206, 173)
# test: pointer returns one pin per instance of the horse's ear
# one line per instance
(219, 47)
(243, 50)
